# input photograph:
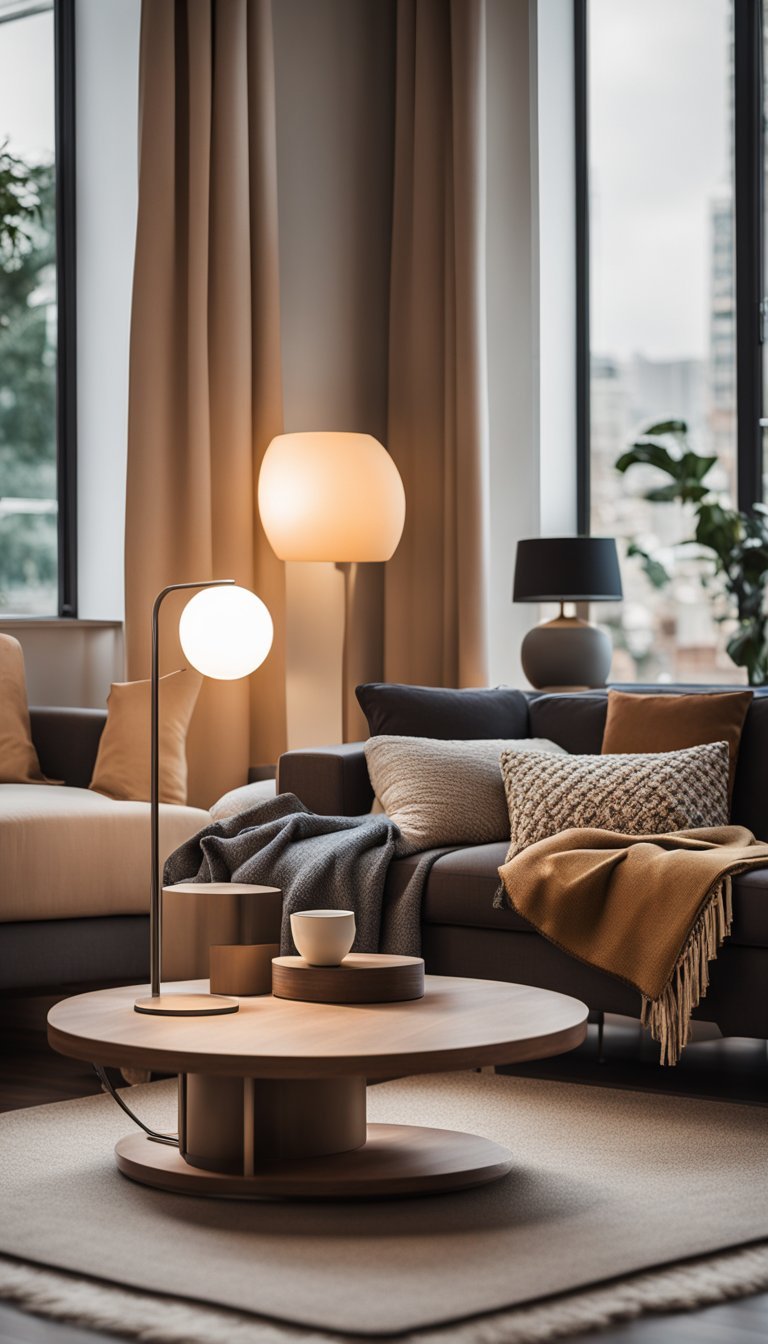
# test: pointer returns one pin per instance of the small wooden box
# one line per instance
(242, 970)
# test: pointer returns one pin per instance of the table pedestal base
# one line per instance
(396, 1160)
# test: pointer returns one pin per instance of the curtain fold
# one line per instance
(436, 583)
(205, 394)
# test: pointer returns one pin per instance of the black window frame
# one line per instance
(66, 301)
(748, 163)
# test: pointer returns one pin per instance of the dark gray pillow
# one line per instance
(432, 711)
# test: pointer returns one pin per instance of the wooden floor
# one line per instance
(735, 1070)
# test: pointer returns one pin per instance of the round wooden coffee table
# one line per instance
(272, 1099)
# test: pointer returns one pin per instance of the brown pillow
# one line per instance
(18, 758)
(123, 759)
(642, 723)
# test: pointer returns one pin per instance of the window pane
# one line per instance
(661, 307)
(28, 521)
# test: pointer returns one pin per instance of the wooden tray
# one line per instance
(362, 977)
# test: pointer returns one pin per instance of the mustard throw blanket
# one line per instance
(650, 909)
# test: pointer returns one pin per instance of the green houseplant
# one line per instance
(733, 546)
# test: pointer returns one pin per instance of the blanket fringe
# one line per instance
(669, 1016)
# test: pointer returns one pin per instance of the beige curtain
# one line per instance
(205, 382)
(435, 621)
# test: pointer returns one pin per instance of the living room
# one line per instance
(383, 671)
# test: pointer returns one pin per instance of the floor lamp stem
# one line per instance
(346, 568)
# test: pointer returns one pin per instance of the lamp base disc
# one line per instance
(186, 1005)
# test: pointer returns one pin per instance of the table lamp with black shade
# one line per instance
(226, 633)
(567, 652)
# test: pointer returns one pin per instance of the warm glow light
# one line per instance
(225, 632)
(330, 496)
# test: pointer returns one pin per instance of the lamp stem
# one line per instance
(346, 569)
(155, 911)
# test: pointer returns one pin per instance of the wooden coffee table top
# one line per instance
(459, 1023)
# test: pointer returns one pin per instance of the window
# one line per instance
(667, 148)
(37, 399)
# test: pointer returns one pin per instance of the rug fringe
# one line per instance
(669, 1016)
(156, 1320)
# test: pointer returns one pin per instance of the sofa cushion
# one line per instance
(430, 711)
(443, 792)
(461, 887)
(462, 884)
(577, 722)
(72, 852)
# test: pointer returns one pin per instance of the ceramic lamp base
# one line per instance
(186, 1005)
(566, 652)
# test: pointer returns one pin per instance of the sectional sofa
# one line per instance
(463, 934)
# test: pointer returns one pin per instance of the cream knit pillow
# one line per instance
(632, 794)
(444, 792)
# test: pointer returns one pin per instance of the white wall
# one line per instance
(69, 667)
(107, 71)
(531, 299)
(553, 173)
(514, 478)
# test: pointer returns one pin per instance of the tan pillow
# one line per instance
(444, 792)
(18, 758)
(123, 759)
(636, 722)
(646, 794)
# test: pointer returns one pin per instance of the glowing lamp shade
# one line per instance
(330, 496)
(225, 632)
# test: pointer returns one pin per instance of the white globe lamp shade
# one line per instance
(330, 496)
(226, 632)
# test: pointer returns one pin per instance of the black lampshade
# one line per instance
(567, 569)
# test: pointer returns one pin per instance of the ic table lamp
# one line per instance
(329, 495)
(566, 652)
(226, 633)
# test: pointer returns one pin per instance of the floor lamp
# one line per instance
(225, 633)
(331, 496)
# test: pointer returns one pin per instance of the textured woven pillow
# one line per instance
(634, 794)
(444, 792)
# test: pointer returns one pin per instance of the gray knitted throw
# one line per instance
(329, 863)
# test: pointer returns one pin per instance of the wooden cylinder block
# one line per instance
(234, 1125)
(243, 971)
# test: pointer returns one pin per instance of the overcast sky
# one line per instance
(659, 150)
(26, 85)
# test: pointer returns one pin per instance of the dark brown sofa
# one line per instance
(464, 935)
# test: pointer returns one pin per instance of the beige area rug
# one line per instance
(610, 1192)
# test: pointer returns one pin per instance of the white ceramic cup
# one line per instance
(323, 937)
